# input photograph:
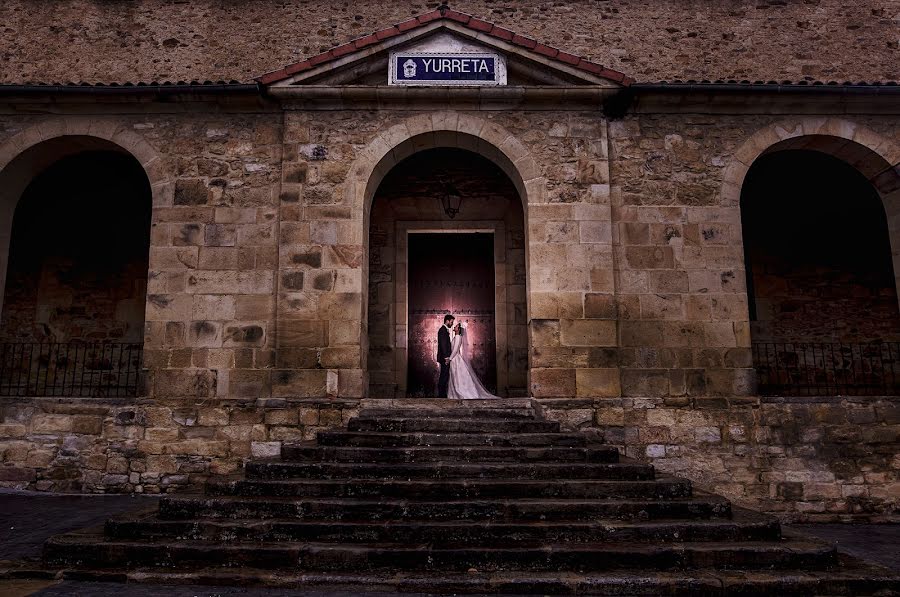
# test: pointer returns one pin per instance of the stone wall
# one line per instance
(258, 287)
(811, 459)
(806, 459)
(680, 280)
(148, 446)
(158, 40)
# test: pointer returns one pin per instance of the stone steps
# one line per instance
(851, 578)
(409, 439)
(238, 508)
(455, 489)
(458, 497)
(745, 526)
(93, 550)
(469, 413)
(453, 425)
(263, 469)
(448, 454)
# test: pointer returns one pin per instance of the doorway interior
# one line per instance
(450, 272)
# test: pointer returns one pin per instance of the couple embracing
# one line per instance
(457, 379)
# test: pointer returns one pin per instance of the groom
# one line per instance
(443, 355)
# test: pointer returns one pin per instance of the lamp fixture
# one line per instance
(451, 200)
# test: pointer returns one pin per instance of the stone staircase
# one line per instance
(448, 497)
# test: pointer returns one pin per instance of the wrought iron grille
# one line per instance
(821, 369)
(70, 369)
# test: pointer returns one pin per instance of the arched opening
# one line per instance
(822, 291)
(422, 263)
(72, 320)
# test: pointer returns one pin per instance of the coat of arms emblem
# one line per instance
(409, 69)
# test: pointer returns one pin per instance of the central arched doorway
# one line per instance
(423, 263)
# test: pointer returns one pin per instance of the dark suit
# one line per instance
(443, 353)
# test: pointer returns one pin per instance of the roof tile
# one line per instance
(387, 33)
(457, 16)
(368, 40)
(546, 50)
(479, 25)
(521, 40)
(407, 25)
(429, 16)
(501, 33)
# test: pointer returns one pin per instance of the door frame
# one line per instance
(401, 291)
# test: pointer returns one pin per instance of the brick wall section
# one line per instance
(161, 40)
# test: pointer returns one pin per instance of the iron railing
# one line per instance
(822, 369)
(70, 369)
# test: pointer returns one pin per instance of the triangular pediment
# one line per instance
(423, 50)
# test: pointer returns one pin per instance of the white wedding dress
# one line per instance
(464, 384)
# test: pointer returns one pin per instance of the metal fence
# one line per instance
(76, 369)
(821, 369)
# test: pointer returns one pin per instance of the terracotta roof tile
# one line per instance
(387, 33)
(445, 13)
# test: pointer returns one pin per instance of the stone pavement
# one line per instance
(28, 519)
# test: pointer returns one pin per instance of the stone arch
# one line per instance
(443, 129)
(875, 156)
(32, 150)
(431, 131)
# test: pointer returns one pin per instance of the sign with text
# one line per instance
(446, 68)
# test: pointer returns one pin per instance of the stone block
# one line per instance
(650, 257)
(47, 423)
(230, 282)
(588, 332)
(265, 449)
(597, 383)
(87, 425)
(299, 383)
(545, 332)
(341, 357)
(184, 383)
(553, 383)
(212, 417)
(599, 306)
(191, 191)
(12, 430)
(300, 333)
(351, 383)
(340, 306)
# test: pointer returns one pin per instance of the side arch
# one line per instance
(31, 151)
(876, 156)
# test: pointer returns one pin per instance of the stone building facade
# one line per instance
(274, 216)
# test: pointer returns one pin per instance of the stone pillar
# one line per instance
(319, 314)
(572, 314)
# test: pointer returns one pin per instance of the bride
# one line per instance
(463, 381)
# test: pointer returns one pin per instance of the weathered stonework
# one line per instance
(274, 290)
